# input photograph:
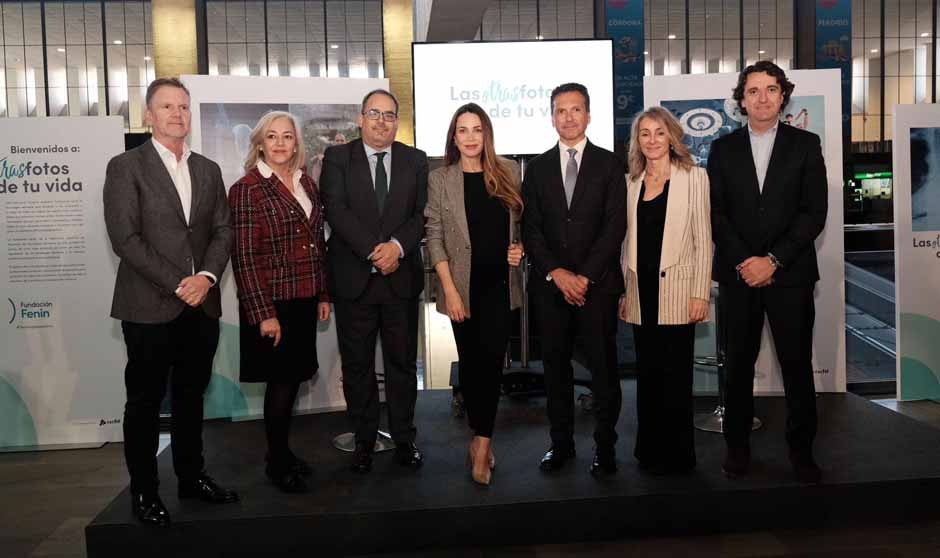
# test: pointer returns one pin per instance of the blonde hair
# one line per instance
(297, 160)
(678, 152)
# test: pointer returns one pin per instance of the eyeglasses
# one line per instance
(374, 114)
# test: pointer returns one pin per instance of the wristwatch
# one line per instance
(774, 261)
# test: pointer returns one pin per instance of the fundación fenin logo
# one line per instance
(34, 313)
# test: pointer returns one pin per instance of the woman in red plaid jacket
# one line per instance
(279, 261)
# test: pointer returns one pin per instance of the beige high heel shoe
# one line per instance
(482, 464)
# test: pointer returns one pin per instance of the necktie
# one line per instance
(381, 180)
(571, 174)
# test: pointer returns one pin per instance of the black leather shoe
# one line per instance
(301, 467)
(737, 462)
(804, 467)
(149, 510)
(555, 458)
(206, 489)
(287, 481)
(408, 455)
(604, 462)
(362, 458)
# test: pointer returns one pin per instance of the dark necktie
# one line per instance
(381, 180)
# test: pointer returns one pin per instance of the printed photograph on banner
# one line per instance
(226, 132)
(925, 179)
(704, 121)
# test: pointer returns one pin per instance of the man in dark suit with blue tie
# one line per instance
(168, 220)
(374, 190)
(769, 203)
(573, 226)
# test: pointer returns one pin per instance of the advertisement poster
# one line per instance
(62, 371)
(707, 111)
(917, 250)
(625, 27)
(225, 109)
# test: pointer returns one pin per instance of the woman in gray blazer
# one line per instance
(473, 214)
(667, 270)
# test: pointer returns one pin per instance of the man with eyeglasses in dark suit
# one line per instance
(374, 190)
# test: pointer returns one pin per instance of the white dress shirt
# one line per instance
(563, 149)
(299, 193)
(179, 174)
(762, 145)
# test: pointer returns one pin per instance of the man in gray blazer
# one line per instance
(169, 223)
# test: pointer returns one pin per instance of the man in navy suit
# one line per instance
(374, 190)
(573, 226)
(769, 203)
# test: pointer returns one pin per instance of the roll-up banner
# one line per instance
(704, 107)
(917, 250)
(61, 374)
(224, 111)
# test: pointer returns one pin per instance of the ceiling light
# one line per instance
(118, 42)
(761, 52)
(671, 36)
(60, 49)
(334, 46)
(147, 58)
(646, 53)
(539, 37)
(874, 51)
(925, 34)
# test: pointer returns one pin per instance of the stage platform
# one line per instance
(879, 467)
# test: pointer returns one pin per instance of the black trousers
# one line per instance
(791, 313)
(378, 311)
(593, 327)
(665, 437)
(186, 346)
(481, 348)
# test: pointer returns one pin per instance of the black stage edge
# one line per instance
(879, 466)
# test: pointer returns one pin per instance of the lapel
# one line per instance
(398, 178)
(778, 156)
(314, 199)
(579, 186)
(156, 170)
(195, 187)
(555, 184)
(280, 190)
(677, 209)
(633, 200)
(361, 180)
(743, 140)
(454, 189)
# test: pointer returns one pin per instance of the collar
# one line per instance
(768, 133)
(563, 148)
(267, 171)
(165, 153)
(370, 151)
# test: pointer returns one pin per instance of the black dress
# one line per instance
(665, 432)
(481, 339)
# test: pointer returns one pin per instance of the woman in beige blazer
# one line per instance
(667, 270)
(473, 214)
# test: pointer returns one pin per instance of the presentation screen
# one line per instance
(513, 82)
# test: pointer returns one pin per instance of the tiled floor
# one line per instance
(48, 498)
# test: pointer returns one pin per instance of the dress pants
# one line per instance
(791, 313)
(183, 349)
(481, 347)
(665, 437)
(378, 311)
(593, 327)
